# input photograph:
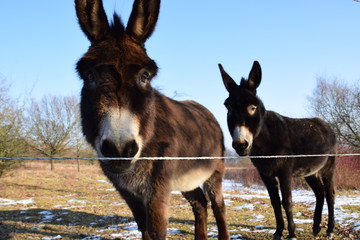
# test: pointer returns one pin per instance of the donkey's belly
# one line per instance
(191, 179)
(309, 167)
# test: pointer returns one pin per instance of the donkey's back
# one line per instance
(311, 136)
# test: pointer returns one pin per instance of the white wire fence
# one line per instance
(181, 158)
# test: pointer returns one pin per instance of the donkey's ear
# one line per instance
(228, 81)
(254, 76)
(143, 19)
(92, 18)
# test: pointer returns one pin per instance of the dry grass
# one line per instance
(80, 206)
(347, 175)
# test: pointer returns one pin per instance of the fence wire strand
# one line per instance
(180, 158)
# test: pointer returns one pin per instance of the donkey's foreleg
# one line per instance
(285, 185)
(328, 180)
(198, 203)
(213, 188)
(316, 185)
(330, 200)
(273, 190)
(138, 209)
(157, 208)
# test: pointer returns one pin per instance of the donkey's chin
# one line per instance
(117, 166)
(243, 152)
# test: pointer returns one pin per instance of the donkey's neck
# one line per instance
(273, 131)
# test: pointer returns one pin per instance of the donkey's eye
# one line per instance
(90, 77)
(251, 109)
(144, 77)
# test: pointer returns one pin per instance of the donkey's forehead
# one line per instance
(119, 51)
(242, 96)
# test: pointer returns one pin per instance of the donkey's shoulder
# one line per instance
(274, 120)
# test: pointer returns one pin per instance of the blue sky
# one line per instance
(294, 41)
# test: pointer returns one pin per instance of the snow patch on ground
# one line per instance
(5, 201)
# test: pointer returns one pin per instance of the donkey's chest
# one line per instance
(267, 167)
(136, 183)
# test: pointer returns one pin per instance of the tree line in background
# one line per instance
(50, 127)
(339, 104)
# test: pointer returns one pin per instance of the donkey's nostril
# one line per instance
(130, 149)
(108, 149)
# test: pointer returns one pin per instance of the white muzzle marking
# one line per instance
(119, 126)
(242, 135)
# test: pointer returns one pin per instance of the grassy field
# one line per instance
(36, 203)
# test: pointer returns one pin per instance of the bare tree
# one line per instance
(80, 147)
(339, 104)
(50, 123)
(11, 141)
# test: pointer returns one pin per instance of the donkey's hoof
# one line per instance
(276, 237)
(330, 235)
(316, 231)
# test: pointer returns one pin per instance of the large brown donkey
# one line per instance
(258, 132)
(123, 116)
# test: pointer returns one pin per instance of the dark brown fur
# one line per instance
(117, 75)
(274, 134)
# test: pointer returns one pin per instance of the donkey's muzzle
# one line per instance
(109, 149)
(241, 148)
(118, 166)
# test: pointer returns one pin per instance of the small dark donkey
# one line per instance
(123, 116)
(258, 132)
